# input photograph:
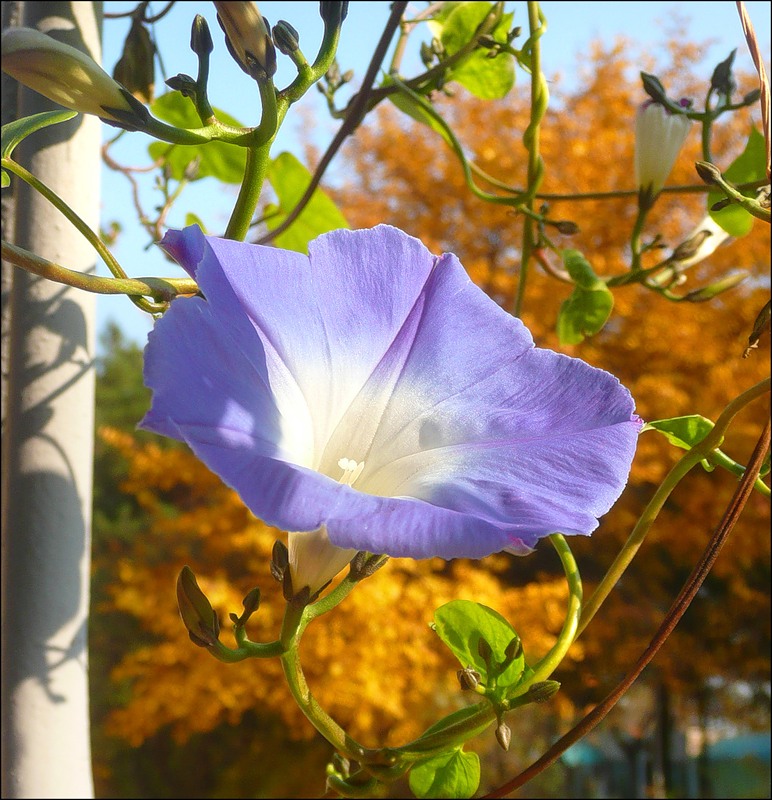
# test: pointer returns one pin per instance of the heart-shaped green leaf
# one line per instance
(454, 774)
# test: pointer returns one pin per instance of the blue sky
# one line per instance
(572, 27)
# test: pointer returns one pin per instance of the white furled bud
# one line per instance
(659, 137)
(63, 74)
(248, 37)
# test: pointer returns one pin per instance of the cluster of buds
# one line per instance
(74, 80)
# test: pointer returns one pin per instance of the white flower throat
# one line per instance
(351, 470)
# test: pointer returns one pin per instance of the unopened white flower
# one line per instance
(659, 137)
(248, 37)
(62, 74)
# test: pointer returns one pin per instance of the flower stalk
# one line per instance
(83, 228)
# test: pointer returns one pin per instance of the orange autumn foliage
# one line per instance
(677, 359)
(373, 663)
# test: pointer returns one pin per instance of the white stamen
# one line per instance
(351, 470)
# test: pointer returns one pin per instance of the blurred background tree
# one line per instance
(170, 721)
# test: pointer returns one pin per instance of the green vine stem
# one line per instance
(275, 107)
(308, 75)
(722, 460)
(257, 165)
(712, 175)
(387, 763)
(92, 238)
(700, 451)
(706, 127)
(292, 629)
(249, 193)
(547, 665)
(635, 236)
(160, 289)
(537, 25)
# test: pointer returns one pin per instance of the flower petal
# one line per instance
(374, 351)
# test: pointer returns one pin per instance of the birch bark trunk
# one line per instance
(48, 408)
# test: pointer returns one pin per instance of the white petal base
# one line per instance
(313, 560)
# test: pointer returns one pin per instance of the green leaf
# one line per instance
(579, 268)
(684, 432)
(408, 105)
(588, 307)
(459, 715)
(461, 624)
(226, 162)
(583, 314)
(486, 78)
(194, 219)
(454, 774)
(290, 179)
(15, 131)
(749, 166)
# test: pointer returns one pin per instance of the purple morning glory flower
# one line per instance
(369, 396)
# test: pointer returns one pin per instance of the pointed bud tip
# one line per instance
(503, 735)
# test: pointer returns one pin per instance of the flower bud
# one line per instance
(200, 38)
(196, 611)
(709, 173)
(503, 735)
(722, 81)
(751, 97)
(333, 12)
(248, 37)
(251, 603)
(287, 39)
(183, 84)
(709, 292)
(484, 649)
(659, 137)
(135, 69)
(700, 243)
(541, 691)
(566, 227)
(65, 75)
(468, 678)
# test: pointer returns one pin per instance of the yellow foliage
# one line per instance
(373, 663)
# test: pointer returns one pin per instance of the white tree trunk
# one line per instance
(48, 445)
